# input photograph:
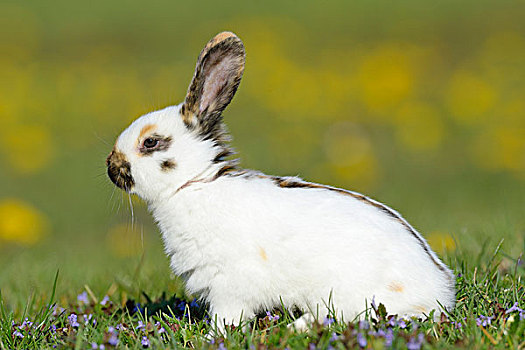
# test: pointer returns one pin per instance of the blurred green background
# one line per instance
(419, 104)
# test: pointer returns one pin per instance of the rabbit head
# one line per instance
(165, 149)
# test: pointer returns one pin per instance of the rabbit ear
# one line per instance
(217, 75)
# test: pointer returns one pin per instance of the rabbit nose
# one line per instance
(119, 170)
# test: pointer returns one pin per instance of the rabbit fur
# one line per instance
(245, 241)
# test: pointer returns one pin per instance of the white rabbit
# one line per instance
(245, 241)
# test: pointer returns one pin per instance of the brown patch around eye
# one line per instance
(168, 165)
(163, 143)
(146, 129)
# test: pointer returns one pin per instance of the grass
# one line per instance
(490, 299)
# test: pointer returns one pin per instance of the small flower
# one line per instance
(113, 340)
(361, 340)
(53, 328)
(415, 344)
(94, 345)
(140, 325)
(26, 323)
(160, 328)
(392, 322)
(88, 318)
(18, 334)
(363, 324)
(145, 342)
(72, 319)
(82, 298)
(182, 306)
(222, 346)
(389, 337)
(514, 308)
(272, 317)
(328, 321)
(483, 320)
(401, 323)
(312, 346)
(457, 324)
(334, 337)
(104, 300)
(194, 303)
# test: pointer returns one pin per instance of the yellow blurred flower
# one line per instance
(125, 241)
(470, 97)
(419, 126)
(350, 154)
(386, 77)
(28, 148)
(501, 148)
(20, 222)
(441, 241)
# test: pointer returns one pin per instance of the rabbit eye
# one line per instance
(150, 142)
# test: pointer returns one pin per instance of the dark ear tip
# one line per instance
(222, 37)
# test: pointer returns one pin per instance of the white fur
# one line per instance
(245, 244)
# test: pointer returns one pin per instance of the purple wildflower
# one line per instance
(514, 308)
(363, 324)
(222, 346)
(83, 298)
(53, 328)
(113, 339)
(182, 306)
(140, 325)
(94, 345)
(18, 334)
(145, 342)
(392, 322)
(334, 337)
(389, 337)
(194, 303)
(312, 346)
(401, 323)
(483, 320)
(160, 328)
(457, 325)
(104, 300)
(72, 319)
(361, 340)
(415, 344)
(328, 321)
(88, 318)
(26, 323)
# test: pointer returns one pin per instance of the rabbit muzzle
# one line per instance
(119, 170)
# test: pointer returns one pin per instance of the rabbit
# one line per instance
(246, 242)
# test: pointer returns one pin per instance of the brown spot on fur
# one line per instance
(262, 254)
(146, 129)
(396, 287)
(167, 165)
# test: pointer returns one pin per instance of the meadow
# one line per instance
(419, 105)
